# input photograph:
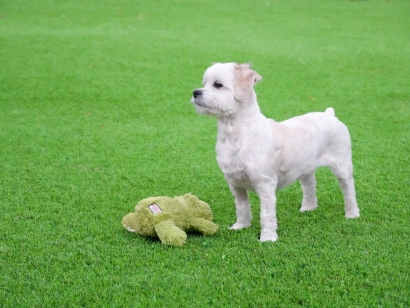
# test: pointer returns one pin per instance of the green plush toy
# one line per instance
(168, 218)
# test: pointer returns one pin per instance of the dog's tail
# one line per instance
(330, 111)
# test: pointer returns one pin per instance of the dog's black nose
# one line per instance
(197, 93)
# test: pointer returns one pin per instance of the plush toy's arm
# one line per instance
(206, 227)
(129, 222)
(170, 234)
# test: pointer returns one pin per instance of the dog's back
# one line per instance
(310, 141)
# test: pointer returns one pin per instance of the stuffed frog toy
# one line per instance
(170, 218)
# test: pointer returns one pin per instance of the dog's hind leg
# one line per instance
(344, 173)
(243, 208)
(309, 202)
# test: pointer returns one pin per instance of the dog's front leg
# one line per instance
(267, 197)
(243, 208)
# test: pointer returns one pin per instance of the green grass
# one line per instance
(95, 115)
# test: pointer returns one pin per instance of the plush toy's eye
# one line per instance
(218, 85)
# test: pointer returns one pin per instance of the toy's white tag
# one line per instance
(155, 209)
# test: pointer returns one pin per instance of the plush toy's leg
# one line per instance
(204, 226)
(170, 234)
(129, 222)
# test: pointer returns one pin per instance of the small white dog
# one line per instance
(258, 154)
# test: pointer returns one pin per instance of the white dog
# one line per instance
(256, 153)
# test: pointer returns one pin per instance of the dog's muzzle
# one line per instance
(197, 93)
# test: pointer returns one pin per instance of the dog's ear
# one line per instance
(245, 79)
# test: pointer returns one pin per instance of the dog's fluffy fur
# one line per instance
(258, 154)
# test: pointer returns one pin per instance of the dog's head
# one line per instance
(228, 87)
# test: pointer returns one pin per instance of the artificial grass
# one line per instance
(95, 115)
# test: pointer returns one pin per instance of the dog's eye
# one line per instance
(218, 85)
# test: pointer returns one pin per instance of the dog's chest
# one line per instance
(233, 159)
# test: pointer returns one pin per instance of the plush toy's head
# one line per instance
(168, 218)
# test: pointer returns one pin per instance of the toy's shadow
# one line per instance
(194, 235)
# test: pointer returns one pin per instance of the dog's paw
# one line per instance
(238, 226)
(268, 236)
(352, 213)
(308, 207)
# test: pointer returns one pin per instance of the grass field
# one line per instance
(95, 115)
